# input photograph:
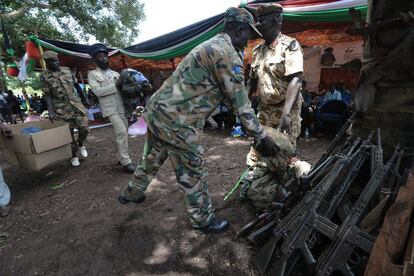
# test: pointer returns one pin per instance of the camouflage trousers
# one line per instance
(189, 171)
(269, 115)
(80, 122)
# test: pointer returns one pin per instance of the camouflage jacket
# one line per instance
(210, 73)
(61, 86)
(272, 64)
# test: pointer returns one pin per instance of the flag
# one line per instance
(23, 67)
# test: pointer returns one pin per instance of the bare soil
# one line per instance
(67, 221)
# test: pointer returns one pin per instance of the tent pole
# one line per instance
(42, 60)
(124, 64)
(173, 64)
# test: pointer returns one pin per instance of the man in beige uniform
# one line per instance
(104, 83)
(276, 74)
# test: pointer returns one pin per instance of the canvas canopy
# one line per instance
(312, 22)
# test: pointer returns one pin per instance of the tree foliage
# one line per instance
(32, 84)
(114, 22)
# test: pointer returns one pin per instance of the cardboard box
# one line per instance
(38, 150)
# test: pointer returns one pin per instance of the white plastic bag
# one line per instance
(4, 191)
(138, 128)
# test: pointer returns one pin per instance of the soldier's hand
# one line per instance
(267, 147)
(285, 123)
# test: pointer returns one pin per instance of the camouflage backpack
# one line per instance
(135, 86)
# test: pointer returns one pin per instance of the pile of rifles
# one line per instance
(328, 223)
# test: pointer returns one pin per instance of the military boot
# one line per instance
(215, 226)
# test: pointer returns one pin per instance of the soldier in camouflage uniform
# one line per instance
(276, 74)
(58, 84)
(176, 113)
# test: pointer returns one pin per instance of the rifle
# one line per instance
(265, 221)
(245, 230)
(273, 213)
(338, 137)
(347, 237)
(306, 234)
(298, 217)
(377, 154)
(260, 234)
(306, 182)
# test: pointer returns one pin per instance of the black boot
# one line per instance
(123, 200)
(215, 226)
(129, 168)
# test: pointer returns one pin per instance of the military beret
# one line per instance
(240, 15)
(268, 9)
(50, 55)
(97, 48)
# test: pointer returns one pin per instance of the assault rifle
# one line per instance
(305, 235)
(264, 229)
(262, 226)
(338, 137)
(304, 210)
(259, 228)
(347, 236)
(308, 181)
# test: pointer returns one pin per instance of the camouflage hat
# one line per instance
(240, 15)
(50, 55)
(278, 163)
(268, 9)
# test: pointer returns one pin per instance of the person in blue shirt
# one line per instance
(332, 94)
(346, 96)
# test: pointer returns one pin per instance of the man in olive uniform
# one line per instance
(176, 113)
(58, 84)
(104, 83)
(276, 74)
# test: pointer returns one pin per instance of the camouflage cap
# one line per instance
(278, 163)
(240, 15)
(50, 55)
(268, 9)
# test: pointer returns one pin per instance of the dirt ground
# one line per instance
(67, 221)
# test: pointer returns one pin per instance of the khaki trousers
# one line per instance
(120, 125)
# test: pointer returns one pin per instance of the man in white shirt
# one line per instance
(104, 83)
